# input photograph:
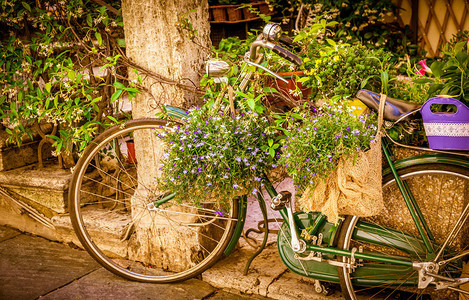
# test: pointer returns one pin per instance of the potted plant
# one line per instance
(217, 155)
(317, 138)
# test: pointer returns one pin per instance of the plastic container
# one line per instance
(446, 131)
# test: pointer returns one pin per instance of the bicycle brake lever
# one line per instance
(267, 70)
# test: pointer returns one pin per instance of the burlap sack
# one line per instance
(351, 189)
(354, 187)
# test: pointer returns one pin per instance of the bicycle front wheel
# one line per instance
(440, 193)
(128, 225)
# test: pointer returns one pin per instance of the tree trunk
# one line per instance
(156, 41)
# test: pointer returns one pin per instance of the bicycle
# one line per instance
(143, 234)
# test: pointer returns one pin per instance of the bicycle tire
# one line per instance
(355, 284)
(108, 200)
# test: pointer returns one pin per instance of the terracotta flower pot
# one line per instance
(131, 152)
(287, 88)
(248, 15)
(234, 14)
(218, 13)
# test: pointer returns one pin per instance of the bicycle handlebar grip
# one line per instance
(287, 55)
(286, 40)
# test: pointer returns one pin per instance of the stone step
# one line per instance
(43, 189)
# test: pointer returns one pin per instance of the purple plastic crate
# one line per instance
(446, 131)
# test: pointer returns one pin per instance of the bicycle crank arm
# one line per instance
(297, 245)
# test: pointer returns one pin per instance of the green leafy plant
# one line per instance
(59, 64)
(317, 138)
(448, 75)
(216, 155)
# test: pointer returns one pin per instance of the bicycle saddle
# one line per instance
(394, 109)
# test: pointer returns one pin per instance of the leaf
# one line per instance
(121, 43)
(259, 109)
(365, 81)
(331, 42)
(116, 95)
(89, 20)
(13, 108)
(459, 47)
(272, 152)
(112, 119)
(299, 37)
(71, 75)
(251, 103)
(48, 87)
(303, 79)
(269, 89)
(270, 142)
(99, 38)
(27, 6)
(119, 85)
(461, 57)
(437, 68)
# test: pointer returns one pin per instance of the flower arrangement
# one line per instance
(317, 138)
(216, 155)
(448, 75)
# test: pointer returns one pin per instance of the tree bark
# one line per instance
(156, 41)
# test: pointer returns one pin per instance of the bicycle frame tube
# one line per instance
(409, 203)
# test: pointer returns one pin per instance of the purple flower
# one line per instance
(235, 186)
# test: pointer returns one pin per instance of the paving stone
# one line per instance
(228, 273)
(31, 266)
(223, 295)
(294, 286)
(102, 284)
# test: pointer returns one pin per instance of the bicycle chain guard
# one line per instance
(303, 263)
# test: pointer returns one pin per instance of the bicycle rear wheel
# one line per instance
(128, 225)
(440, 192)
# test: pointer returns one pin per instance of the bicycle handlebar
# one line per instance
(277, 49)
(287, 55)
(286, 40)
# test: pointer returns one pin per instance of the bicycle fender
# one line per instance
(239, 226)
(445, 159)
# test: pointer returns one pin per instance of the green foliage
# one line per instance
(317, 138)
(50, 53)
(372, 23)
(342, 69)
(450, 74)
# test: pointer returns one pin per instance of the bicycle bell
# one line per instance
(216, 68)
(272, 32)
